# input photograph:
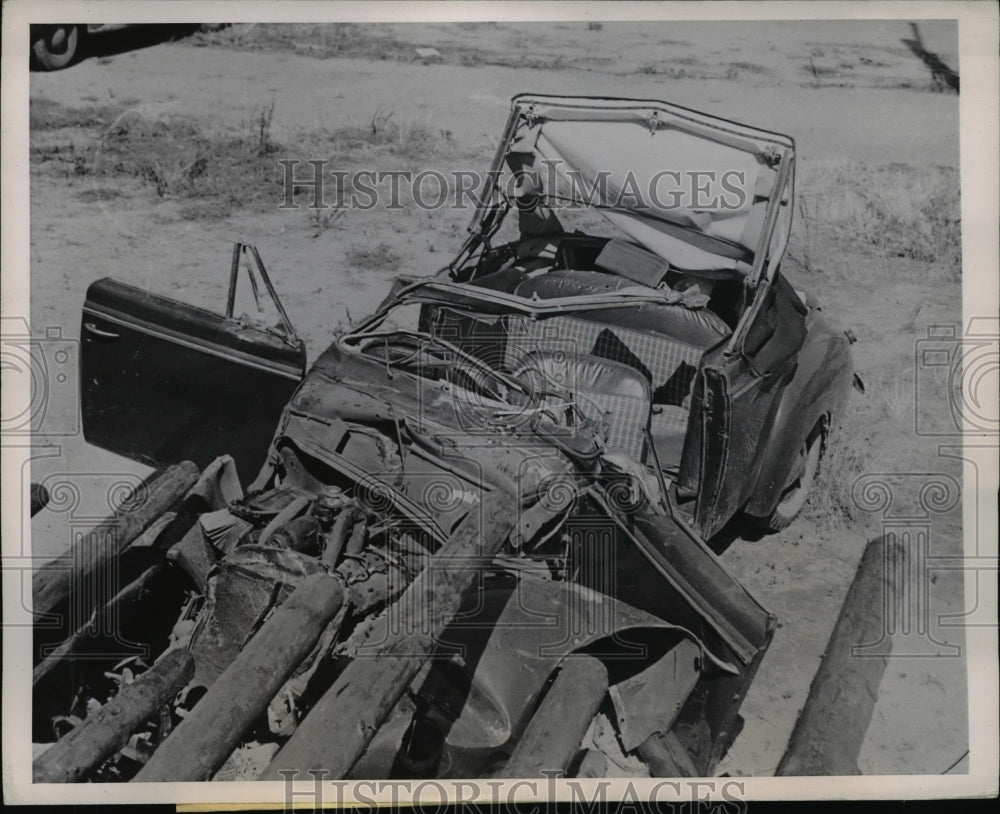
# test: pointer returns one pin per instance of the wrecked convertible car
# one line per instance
(475, 545)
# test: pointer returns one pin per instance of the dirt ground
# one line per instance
(861, 107)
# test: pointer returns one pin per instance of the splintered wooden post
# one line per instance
(90, 560)
(210, 732)
(341, 725)
(65, 650)
(108, 729)
(665, 756)
(555, 731)
(831, 728)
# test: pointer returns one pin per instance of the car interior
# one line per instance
(626, 361)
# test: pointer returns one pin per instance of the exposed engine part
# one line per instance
(301, 534)
(250, 557)
(304, 535)
(359, 534)
(261, 507)
(248, 584)
(329, 503)
(338, 535)
(288, 513)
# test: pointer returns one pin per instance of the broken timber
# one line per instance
(341, 725)
(831, 727)
(210, 732)
(108, 729)
(93, 558)
(555, 731)
(99, 620)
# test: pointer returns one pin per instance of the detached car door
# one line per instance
(162, 381)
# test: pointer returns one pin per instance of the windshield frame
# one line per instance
(776, 149)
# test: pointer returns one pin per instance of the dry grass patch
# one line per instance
(374, 41)
(380, 257)
(893, 210)
(219, 170)
(180, 157)
(45, 114)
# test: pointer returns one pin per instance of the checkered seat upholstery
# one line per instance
(662, 342)
(669, 365)
(614, 396)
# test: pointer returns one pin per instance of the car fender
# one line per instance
(817, 392)
(541, 623)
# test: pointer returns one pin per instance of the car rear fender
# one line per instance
(813, 398)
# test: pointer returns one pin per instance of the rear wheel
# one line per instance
(55, 46)
(799, 484)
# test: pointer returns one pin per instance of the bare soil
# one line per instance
(863, 112)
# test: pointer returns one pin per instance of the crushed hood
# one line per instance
(692, 188)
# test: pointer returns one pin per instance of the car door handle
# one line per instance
(93, 329)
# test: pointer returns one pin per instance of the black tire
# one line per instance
(800, 482)
(55, 46)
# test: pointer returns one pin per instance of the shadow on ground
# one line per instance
(739, 528)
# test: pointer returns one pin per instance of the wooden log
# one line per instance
(831, 728)
(67, 648)
(108, 729)
(341, 725)
(210, 732)
(665, 756)
(90, 562)
(555, 731)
